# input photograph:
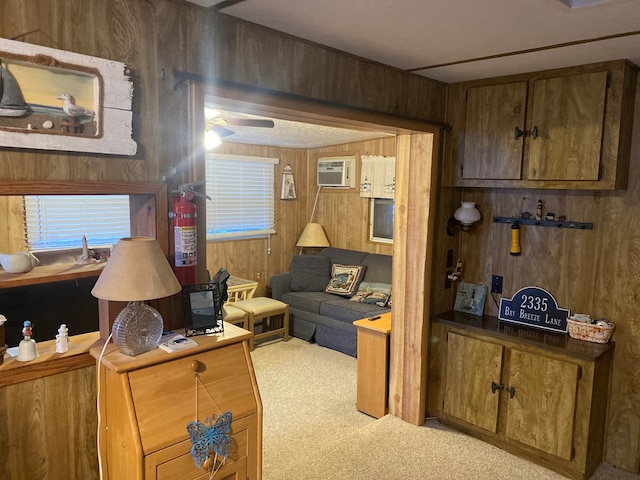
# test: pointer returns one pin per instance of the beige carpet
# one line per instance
(312, 429)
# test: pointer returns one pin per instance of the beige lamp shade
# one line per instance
(136, 271)
(313, 236)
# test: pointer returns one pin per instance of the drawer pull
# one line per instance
(196, 366)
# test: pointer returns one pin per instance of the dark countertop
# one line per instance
(553, 341)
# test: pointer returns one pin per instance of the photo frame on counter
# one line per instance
(470, 298)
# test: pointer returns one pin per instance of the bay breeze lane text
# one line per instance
(523, 314)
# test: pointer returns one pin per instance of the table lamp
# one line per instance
(136, 271)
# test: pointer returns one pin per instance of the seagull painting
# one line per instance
(71, 108)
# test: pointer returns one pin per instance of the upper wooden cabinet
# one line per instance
(568, 128)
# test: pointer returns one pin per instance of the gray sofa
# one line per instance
(327, 318)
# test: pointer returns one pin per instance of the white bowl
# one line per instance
(18, 262)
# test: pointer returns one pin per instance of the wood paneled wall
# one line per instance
(48, 427)
(588, 271)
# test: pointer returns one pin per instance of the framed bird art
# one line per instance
(57, 100)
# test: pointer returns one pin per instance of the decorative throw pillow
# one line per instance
(345, 279)
(310, 273)
(373, 293)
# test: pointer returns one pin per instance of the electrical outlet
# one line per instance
(496, 283)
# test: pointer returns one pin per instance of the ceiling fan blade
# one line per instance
(220, 130)
(249, 122)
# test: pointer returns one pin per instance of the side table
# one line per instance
(373, 365)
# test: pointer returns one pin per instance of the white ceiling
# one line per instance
(457, 40)
(412, 34)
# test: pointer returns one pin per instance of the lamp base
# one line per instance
(137, 329)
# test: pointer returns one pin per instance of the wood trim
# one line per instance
(49, 362)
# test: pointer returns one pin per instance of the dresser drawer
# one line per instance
(164, 395)
(175, 462)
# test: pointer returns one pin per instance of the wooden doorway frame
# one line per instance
(417, 150)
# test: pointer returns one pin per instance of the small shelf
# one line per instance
(49, 274)
(544, 223)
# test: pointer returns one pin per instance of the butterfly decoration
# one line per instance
(211, 436)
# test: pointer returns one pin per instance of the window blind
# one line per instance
(242, 196)
(60, 221)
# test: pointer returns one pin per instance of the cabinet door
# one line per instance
(472, 366)
(491, 150)
(541, 411)
(568, 113)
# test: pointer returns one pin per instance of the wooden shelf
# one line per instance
(49, 362)
(544, 223)
(49, 274)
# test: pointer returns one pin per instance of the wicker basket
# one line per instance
(589, 331)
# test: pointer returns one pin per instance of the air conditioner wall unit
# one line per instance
(337, 172)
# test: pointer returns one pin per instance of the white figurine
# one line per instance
(62, 339)
(27, 349)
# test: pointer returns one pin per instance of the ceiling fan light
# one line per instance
(211, 140)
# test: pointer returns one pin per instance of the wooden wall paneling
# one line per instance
(619, 268)
(47, 433)
(254, 55)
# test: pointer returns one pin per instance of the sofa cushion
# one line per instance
(343, 256)
(307, 301)
(379, 268)
(310, 273)
(344, 310)
(345, 279)
(373, 293)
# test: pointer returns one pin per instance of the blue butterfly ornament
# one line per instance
(211, 436)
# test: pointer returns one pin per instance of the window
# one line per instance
(60, 221)
(381, 220)
(242, 196)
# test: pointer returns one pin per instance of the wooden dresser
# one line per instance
(146, 402)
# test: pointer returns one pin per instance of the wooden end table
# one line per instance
(373, 365)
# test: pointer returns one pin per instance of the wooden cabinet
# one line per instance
(147, 401)
(538, 394)
(568, 128)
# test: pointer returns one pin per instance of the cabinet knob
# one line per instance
(196, 366)
(519, 133)
(511, 391)
(495, 386)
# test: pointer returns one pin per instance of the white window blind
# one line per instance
(60, 221)
(242, 196)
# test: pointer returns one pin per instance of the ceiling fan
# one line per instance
(219, 124)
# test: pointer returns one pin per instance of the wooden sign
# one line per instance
(535, 307)
(57, 100)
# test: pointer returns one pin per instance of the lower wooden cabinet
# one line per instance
(147, 401)
(540, 395)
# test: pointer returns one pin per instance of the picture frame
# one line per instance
(202, 306)
(470, 298)
(53, 99)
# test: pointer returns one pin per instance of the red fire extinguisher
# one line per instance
(185, 238)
